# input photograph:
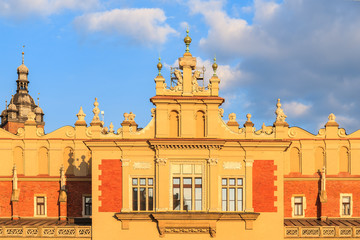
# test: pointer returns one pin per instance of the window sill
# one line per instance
(185, 222)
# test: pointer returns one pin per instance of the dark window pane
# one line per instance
(151, 199)
(135, 199)
(135, 181)
(142, 198)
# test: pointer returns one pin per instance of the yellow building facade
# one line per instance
(187, 175)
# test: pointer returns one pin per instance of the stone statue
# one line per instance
(178, 75)
(280, 115)
(195, 85)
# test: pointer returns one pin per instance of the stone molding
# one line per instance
(187, 223)
(212, 161)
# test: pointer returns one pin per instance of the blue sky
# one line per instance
(305, 52)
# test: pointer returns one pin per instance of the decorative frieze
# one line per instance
(141, 165)
(232, 165)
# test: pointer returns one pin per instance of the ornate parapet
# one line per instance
(334, 232)
(27, 232)
(189, 223)
(335, 228)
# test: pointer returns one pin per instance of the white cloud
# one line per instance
(265, 10)
(142, 25)
(295, 109)
(295, 49)
(20, 9)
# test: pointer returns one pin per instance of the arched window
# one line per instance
(68, 161)
(174, 124)
(200, 124)
(43, 161)
(319, 159)
(294, 160)
(344, 160)
(18, 157)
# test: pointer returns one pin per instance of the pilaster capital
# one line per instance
(212, 161)
(249, 162)
(161, 161)
(125, 162)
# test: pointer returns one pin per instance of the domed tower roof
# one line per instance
(22, 103)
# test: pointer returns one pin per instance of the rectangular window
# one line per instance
(40, 206)
(87, 205)
(232, 194)
(298, 206)
(143, 194)
(346, 207)
(191, 197)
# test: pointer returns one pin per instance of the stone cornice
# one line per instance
(181, 143)
(185, 222)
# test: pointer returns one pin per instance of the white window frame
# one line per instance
(341, 204)
(236, 186)
(35, 205)
(198, 171)
(83, 204)
(293, 205)
(147, 186)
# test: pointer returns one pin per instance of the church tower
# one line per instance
(21, 104)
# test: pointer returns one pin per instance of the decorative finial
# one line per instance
(187, 41)
(232, 117)
(38, 99)
(81, 115)
(280, 115)
(159, 66)
(11, 101)
(23, 54)
(331, 117)
(96, 119)
(214, 66)
(6, 104)
(248, 116)
(111, 128)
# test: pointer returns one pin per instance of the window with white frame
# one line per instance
(87, 206)
(345, 205)
(40, 206)
(142, 194)
(298, 206)
(232, 194)
(187, 187)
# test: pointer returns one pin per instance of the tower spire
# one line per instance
(187, 40)
(23, 56)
